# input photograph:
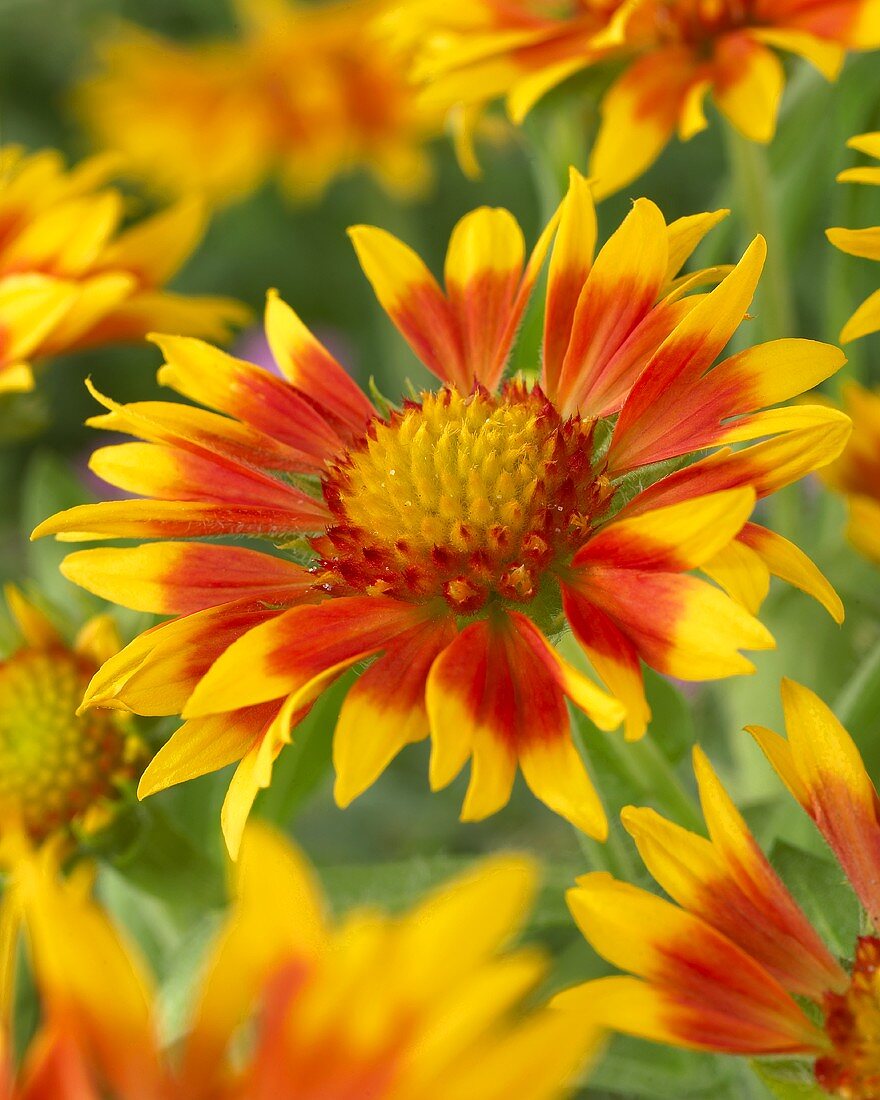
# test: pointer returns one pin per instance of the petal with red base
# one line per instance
(742, 1007)
(684, 234)
(650, 427)
(621, 288)
(570, 264)
(625, 365)
(205, 745)
(679, 625)
(791, 564)
(670, 539)
(179, 519)
(301, 651)
(640, 112)
(177, 578)
(254, 772)
(766, 466)
(748, 84)
(309, 366)
(210, 376)
(484, 264)
(494, 692)
(171, 473)
(188, 427)
(411, 297)
(385, 709)
(822, 766)
(157, 672)
(727, 882)
(613, 656)
(659, 1013)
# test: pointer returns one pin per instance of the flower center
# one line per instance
(699, 22)
(54, 766)
(465, 497)
(852, 1023)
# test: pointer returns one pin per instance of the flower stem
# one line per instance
(752, 188)
(858, 703)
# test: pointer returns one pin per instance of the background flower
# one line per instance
(291, 1003)
(676, 54)
(721, 972)
(307, 92)
(69, 278)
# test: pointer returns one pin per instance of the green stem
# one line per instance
(858, 704)
(661, 781)
(758, 214)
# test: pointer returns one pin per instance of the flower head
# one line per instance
(451, 540)
(310, 92)
(856, 473)
(69, 278)
(374, 1008)
(721, 965)
(675, 54)
(861, 242)
(59, 769)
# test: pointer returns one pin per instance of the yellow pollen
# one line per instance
(461, 496)
(54, 766)
(852, 1023)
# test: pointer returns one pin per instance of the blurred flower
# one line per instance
(70, 279)
(186, 119)
(58, 769)
(676, 52)
(374, 1008)
(856, 473)
(309, 92)
(861, 242)
(721, 968)
(458, 534)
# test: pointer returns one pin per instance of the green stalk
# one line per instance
(758, 213)
(858, 704)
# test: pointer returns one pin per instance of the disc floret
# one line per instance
(852, 1023)
(471, 498)
(59, 769)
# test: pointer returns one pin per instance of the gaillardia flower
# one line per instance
(69, 278)
(861, 242)
(675, 53)
(453, 538)
(373, 1008)
(856, 473)
(731, 963)
(59, 770)
(310, 92)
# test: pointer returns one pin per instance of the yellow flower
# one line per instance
(675, 53)
(731, 963)
(70, 278)
(861, 242)
(423, 1005)
(307, 91)
(856, 473)
(59, 769)
(452, 540)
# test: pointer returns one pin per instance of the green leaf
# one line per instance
(50, 486)
(821, 889)
(672, 721)
(790, 1079)
(399, 884)
(638, 1070)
